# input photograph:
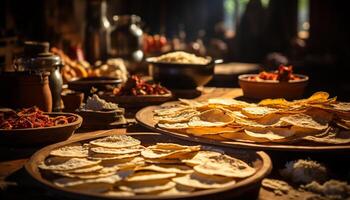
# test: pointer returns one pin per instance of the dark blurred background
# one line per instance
(311, 35)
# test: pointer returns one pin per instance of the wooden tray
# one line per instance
(45, 135)
(137, 101)
(145, 118)
(246, 187)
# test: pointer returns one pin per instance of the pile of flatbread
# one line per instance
(120, 165)
(317, 119)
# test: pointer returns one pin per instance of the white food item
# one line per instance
(304, 171)
(277, 186)
(96, 104)
(182, 58)
(332, 188)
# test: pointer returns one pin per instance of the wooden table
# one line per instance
(13, 159)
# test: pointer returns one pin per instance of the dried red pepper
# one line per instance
(31, 118)
(136, 86)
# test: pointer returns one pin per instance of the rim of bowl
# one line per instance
(97, 80)
(244, 77)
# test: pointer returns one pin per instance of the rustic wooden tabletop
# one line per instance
(15, 182)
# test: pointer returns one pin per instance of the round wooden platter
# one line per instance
(44, 135)
(145, 118)
(244, 188)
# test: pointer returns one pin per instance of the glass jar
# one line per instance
(126, 38)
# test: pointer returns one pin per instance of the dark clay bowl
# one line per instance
(85, 84)
(181, 76)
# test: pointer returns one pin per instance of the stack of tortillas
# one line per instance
(119, 165)
(318, 119)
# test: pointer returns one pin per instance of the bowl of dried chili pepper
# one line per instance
(282, 83)
(31, 126)
(138, 92)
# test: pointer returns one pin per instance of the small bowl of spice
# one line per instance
(137, 92)
(97, 110)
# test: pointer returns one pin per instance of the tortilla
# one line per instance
(87, 169)
(202, 181)
(276, 134)
(75, 150)
(173, 146)
(178, 190)
(183, 116)
(117, 151)
(116, 141)
(211, 130)
(163, 161)
(179, 169)
(99, 156)
(201, 157)
(88, 175)
(304, 121)
(148, 176)
(181, 153)
(257, 111)
(68, 182)
(117, 193)
(224, 165)
(232, 103)
(124, 163)
(331, 136)
(144, 187)
(73, 163)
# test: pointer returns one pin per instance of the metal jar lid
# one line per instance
(36, 57)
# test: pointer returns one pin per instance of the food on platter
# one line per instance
(94, 103)
(304, 171)
(181, 57)
(114, 68)
(119, 165)
(317, 120)
(31, 118)
(278, 187)
(284, 73)
(135, 86)
(331, 189)
(99, 113)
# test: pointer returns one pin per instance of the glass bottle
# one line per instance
(97, 31)
(126, 38)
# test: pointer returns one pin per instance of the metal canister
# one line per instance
(37, 59)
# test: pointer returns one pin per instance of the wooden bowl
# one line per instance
(273, 89)
(247, 188)
(40, 136)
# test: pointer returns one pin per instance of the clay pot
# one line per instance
(24, 89)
